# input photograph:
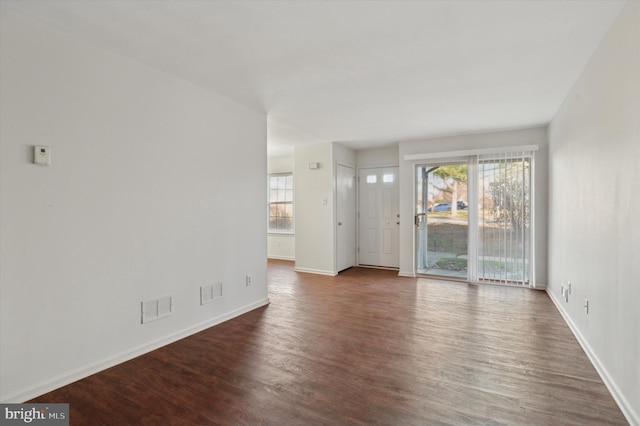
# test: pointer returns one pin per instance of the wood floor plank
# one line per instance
(365, 347)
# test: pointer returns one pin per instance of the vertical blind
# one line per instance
(505, 217)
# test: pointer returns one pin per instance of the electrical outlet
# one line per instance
(566, 291)
(248, 280)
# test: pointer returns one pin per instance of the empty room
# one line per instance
(319, 212)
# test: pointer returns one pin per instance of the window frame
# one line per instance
(285, 202)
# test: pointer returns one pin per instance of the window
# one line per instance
(281, 203)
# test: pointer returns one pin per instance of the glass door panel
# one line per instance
(442, 219)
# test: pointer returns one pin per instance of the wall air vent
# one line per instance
(209, 293)
(156, 309)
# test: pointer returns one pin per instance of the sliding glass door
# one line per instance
(473, 218)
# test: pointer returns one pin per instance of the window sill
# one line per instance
(280, 233)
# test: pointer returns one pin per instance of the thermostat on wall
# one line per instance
(314, 166)
(42, 155)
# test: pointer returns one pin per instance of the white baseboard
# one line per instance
(281, 257)
(407, 274)
(315, 271)
(81, 373)
(631, 416)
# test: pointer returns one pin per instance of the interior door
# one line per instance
(379, 239)
(346, 217)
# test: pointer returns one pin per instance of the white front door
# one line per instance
(346, 217)
(379, 217)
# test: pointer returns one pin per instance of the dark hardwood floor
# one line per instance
(365, 347)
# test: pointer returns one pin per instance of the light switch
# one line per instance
(42, 155)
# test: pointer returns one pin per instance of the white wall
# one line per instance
(282, 245)
(342, 155)
(157, 187)
(280, 164)
(594, 236)
(474, 141)
(314, 209)
(377, 157)
(315, 205)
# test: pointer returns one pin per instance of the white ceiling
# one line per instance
(363, 73)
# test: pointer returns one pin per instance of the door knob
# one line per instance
(339, 223)
(397, 223)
